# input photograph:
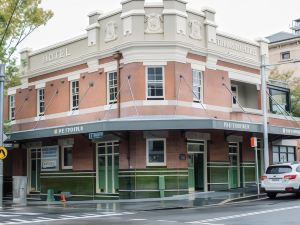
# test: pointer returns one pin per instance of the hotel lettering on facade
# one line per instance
(153, 101)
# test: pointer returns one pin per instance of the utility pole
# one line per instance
(265, 110)
(2, 79)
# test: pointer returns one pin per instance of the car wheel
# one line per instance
(272, 195)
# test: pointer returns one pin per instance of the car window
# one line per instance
(298, 169)
(279, 169)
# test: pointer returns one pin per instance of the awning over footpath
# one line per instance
(150, 123)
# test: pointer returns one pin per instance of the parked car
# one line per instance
(281, 178)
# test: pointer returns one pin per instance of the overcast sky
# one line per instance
(246, 18)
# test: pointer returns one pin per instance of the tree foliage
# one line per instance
(18, 19)
(294, 85)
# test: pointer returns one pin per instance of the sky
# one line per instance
(245, 18)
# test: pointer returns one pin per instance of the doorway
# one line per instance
(34, 169)
(234, 165)
(197, 161)
(108, 167)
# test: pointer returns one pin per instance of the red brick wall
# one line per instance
(83, 154)
(19, 162)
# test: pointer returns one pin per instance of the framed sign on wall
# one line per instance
(49, 158)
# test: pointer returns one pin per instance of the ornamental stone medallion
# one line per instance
(154, 23)
(195, 28)
(110, 31)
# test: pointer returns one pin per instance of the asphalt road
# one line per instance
(283, 210)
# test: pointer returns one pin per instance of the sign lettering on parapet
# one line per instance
(55, 55)
(236, 46)
(68, 130)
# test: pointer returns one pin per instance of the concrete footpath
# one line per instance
(198, 199)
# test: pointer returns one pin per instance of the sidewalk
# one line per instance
(198, 199)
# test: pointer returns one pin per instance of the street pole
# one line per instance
(256, 171)
(265, 110)
(2, 79)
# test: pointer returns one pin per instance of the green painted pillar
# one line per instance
(50, 195)
(162, 186)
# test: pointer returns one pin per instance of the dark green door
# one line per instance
(199, 172)
(35, 170)
(108, 167)
(233, 165)
(196, 166)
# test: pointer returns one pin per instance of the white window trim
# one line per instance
(38, 102)
(10, 114)
(163, 81)
(237, 95)
(63, 157)
(108, 101)
(282, 53)
(165, 152)
(71, 96)
(201, 86)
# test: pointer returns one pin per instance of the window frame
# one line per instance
(163, 83)
(236, 95)
(200, 100)
(271, 102)
(287, 153)
(72, 108)
(63, 167)
(12, 118)
(108, 100)
(284, 53)
(39, 113)
(147, 152)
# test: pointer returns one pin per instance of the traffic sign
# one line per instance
(253, 142)
(3, 152)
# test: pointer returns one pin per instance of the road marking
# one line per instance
(3, 215)
(46, 219)
(137, 219)
(166, 221)
(244, 215)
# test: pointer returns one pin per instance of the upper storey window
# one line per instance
(12, 107)
(112, 87)
(74, 95)
(197, 86)
(155, 83)
(41, 101)
(280, 100)
(234, 91)
(285, 55)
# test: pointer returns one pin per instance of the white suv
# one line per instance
(281, 178)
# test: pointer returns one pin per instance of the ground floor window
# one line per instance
(156, 152)
(283, 154)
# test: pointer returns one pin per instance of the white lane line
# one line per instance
(204, 223)
(20, 221)
(138, 220)
(3, 215)
(45, 219)
(166, 221)
(245, 215)
(24, 213)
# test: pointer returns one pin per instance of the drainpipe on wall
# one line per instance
(117, 56)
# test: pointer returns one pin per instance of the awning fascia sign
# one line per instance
(149, 124)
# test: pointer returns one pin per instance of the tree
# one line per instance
(18, 19)
(294, 85)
